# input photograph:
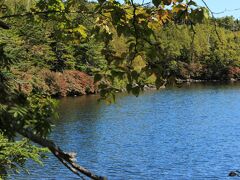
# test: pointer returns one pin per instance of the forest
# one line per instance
(70, 48)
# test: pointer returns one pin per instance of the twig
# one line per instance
(227, 10)
(135, 28)
(215, 23)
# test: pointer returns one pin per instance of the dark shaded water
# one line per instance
(187, 133)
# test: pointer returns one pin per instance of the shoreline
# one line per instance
(73, 83)
(179, 82)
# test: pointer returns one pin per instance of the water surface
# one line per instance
(177, 133)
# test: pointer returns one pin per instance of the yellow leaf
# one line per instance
(82, 30)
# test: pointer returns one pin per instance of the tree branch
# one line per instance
(214, 19)
(134, 23)
(66, 158)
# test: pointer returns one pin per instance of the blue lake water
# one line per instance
(191, 132)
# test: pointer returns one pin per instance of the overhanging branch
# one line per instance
(66, 158)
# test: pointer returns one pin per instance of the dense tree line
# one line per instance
(124, 45)
(208, 53)
(202, 52)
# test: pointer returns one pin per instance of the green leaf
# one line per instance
(97, 77)
(192, 3)
(199, 14)
(156, 2)
(82, 30)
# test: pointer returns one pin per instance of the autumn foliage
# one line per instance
(67, 83)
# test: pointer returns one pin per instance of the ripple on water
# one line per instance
(186, 133)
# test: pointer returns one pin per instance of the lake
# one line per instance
(176, 133)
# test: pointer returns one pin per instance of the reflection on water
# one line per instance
(178, 133)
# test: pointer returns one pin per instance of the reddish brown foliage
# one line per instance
(234, 72)
(195, 70)
(190, 71)
(78, 83)
(70, 82)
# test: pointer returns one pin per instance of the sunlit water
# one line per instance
(178, 133)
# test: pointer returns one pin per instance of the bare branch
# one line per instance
(214, 19)
(227, 10)
(67, 159)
